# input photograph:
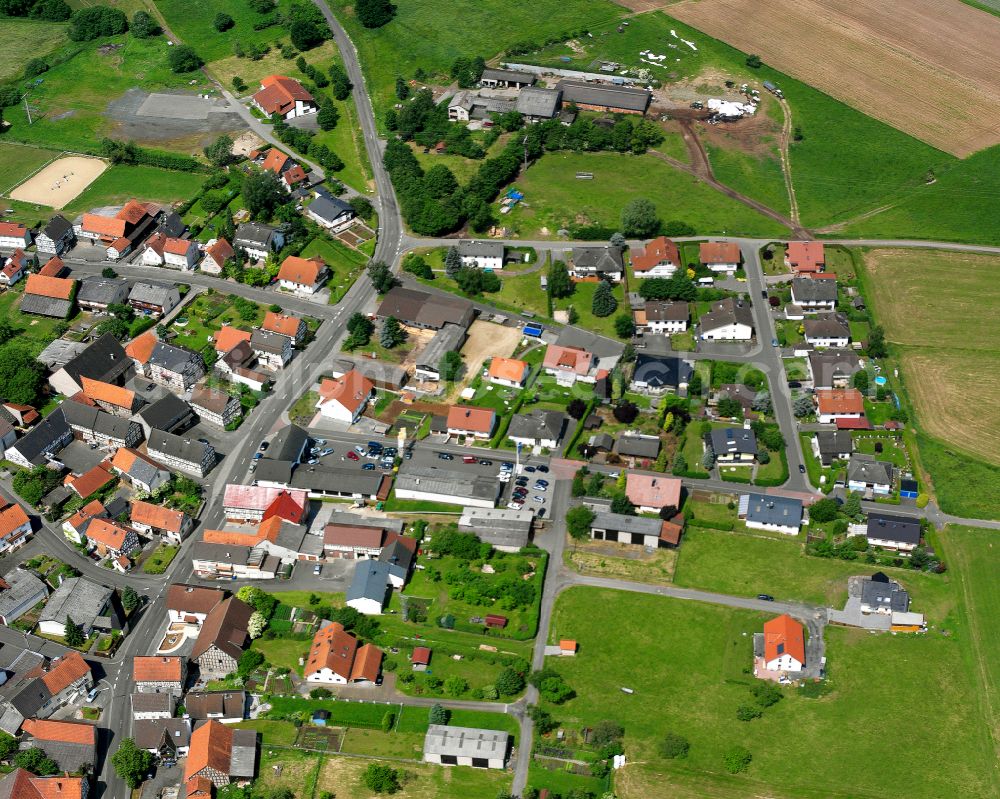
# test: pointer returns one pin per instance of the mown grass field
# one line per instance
(122, 182)
(19, 161)
(342, 777)
(556, 199)
(45, 38)
(35, 333)
(687, 659)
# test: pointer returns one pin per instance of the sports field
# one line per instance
(928, 67)
(60, 182)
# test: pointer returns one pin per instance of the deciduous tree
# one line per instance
(639, 219)
(131, 763)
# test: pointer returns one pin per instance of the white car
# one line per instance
(515, 505)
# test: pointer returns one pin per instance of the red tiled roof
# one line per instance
(348, 535)
(659, 251)
(467, 417)
(805, 256)
(221, 251)
(157, 668)
(73, 732)
(351, 390)
(132, 212)
(59, 288)
(228, 337)
(11, 518)
(568, 358)
(178, 246)
(839, 400)
(336, 649)
(87, 512)
(719, 252)
(120, 245)
(53, 267)
(286, 507)
(157, 516)
(508, 369)
(259, 497)
(275, 160)
(12, 229)
(211, 747)
(68, 669)
(282, 323)
(294, 174)
(783, 635)
(421, 655)
(193, 598)
(105, 226)
(279, 93)
(108, 533)
(141, 348)
(304, 271)
(107, 392)
(860, 423)
(653, 491)
(93, 481)
(21, 784)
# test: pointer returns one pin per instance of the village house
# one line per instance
(331, 213)
(217, 252)
(91, 424)
(722, 257)
(168, 739)
(226, 707)
(508, 372)
(813, 295)
(75, 527)
(104, 359)
(159, 674)
(89, 605)
(337, 658)
(8, 434)
(20, 591)
(56, 237)
(283, 96)
(140, 350)
(369, 590)
(215, 407)
(222, 639)
(153, 299)
(768, 512)
(833, 445)
(177, 368)
(783, 646)
(171, 252)
(636, 530)
(235, 367)
(827, 330)
(882, 596)
(637, 448)
(44, 440)
(54, 267)
(284, 167)
(663, 317)
(537, 428)
(24, 784)
(839, 403)
(116, 400)
(569, 364)
(253, 504)
(421, 309)
(805, 257)
(833, 368)
(481, 254)
(729, 320)
(218, 756)
(96, 293)
(448, 745)
(71, 745)
(15, 526)
(121, 231)
(258, 240)
(273, 350)
(138, 471)
(660, 258)
(345, 398)
(111, 539)
(651, 493)
(14, 235)
(466, 420)
(15, 267)
(302, 275)
(887, 531)
(597, 263)
(169, 413)
(285, 325)
(229, 562)
(152, 706)
(186, 455)
(869, 476)
(191, 604)
(48, 296)
(733, 444)
(616, 99)
(466, 106)
(91, 481)
(659, 374)
(149, 519)
(67, 679)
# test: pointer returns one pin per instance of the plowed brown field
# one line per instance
(928, 67)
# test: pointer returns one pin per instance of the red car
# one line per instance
(353, 455)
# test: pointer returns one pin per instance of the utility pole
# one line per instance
(525, 143)
(27, 108)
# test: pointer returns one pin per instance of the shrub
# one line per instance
(737, 759)
(183, 58)
(674, 746)
(35, 67)
(748, 713)
(222, 22)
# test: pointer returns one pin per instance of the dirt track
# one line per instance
(928, 67)
(59, 182)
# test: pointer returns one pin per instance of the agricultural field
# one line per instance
(870, 56)
(45, 38)
(556, 199)
(121, 182)
(342, 777)
(693, 671)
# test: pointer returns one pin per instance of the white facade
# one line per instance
(831, 418)
(303, 288)
(12, 242)
(787, 529)
(826, 341)
(326, 676)
(150, 257)
(666, 325)
(492, 262)
(736, 331)
(783, 662)
(549, 443)
(664, 269)
(185, 260)
(728, 269)
(876, 488)
(366, 605)
(450, 499)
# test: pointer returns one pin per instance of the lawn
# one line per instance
(691, 671)
(815, 469)
(120, 183)
(273, 733)
(892, 448)
(283, 652)
(291, 769)
(582, 300)
(45, 37)
(556, 199)
(34, 332)
(19, 161)
(161, 557)
(756, 176)
(208, 313)
(342, 777)
(693, 449)
(418, 506)
(345, 264)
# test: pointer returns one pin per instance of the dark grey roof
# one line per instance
(398, 556)
(329, 208)
(38, 440)
(605, 95)
(537, 425)
(45, 306)
(336, 479)
(893, 528)
(104, 360)
(154, 733)
(727, 312)
(172, 225)
(663, 311)
(254, 233)
(153, 703)
(93, 419)
(68, 755)
(185, 449)
(810, 290)
(370, 581)
(79, 598)
(269, 471)
(499, 527)
(733, 440)
(638, 446)
(102, 290)
(172, 358)
(535, 102)
(151, 293)
(57, 227)
(865, 469)
(207, 704)
(448, 482)
(22, 586)
(508, 75)
(268, 341)
(601, 441)
(287, 444)
(167, 413)
(476, 247)
(830, 325)
(661, 371)
(768, 509)
(427, 310)
(619, 522)
(60, 352)
(832, 364)
(449, 338)
(602, 259)
(885, 594)
(834, 442)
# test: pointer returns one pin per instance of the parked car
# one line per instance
(540, 487)
(542, 483)
(258, 455)
(539, 500)
(324, 452)
(529, 468)
(360, 450)
(446, 456)
(468, 459)
(319, 441)
(543, 468)
(521, 481)
(353, 455)
(374, 445)
(765, 597)
(485, 462)
(317, 569)
(312, 461)
(540, 512)
(802, 469)
(763, 293)
(515, 505)
(774, 342)
(368, 467)
(263, 446)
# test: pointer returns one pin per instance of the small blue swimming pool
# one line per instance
(880, 381)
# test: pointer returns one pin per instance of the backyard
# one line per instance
(209, 312)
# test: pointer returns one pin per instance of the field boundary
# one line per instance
(26, 178)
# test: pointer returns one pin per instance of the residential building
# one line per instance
(186, 455)
(21, 784)
(503, 529)
(235, 365)
(420, 309)
(40, 443)
(784, 645)
(116, 400)
(469, 421)
(331, 213)
(833, 445)
(215, 407)
(597, 263)
(638, 447)
(465, 106)
(536, 104)
(12, 272)
(131, 223)
(882, 596)
(867, 475)
(138, 471)
(217, 252)
(833, 368)
(177, 368)
(90, 605)
(355, 540)
(637, 530)
(274, 536)
(15, 526)
(219, 756)
(227, 337)
(899, 533)
(659, 316)
(291, 326)
(813, 295)
(729, 320)
(733, 444)
(827, 330)
(344, 398)
(288, 444)
(140, 350)
(149, 519)
(103, 360)
(20, 591)
(651, 493)
(448, 745)
(168, 739)
(75, 527)
(839, 403)
(659, 374)
(169, 413)
(805, 257)
(48, 296)
(302, 275)
(54, 267)
(258, 240)
(222, 639)
(617, 99)
(56, 237)
(94, 425)
(505, 79)
(226, 707)
(481, 254)
(399, 554)
(67, 679)
(254, 504)
(110, 538)
(153, 299)
(72, 745)
(660, 258)
(337, 658)
(382, 374)
(537, 428)
(159, 674)
(450, 338)
(273, 350)
(163, 250)
(14, 235)
(508, 372)
(283, 96)
(229, 562)
(91, 481)
(569, 364)
(720, 256)
(369, 590)
(341, 481)
(771, 512)
(152, 706)
(191, 604)
(8, 435)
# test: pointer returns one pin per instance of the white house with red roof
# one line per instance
(652, 492)
(285, 97)
(302, 275)
(660, 258)
(13, 235)
(217, 252)
(781, 649)
(569, 364)
(15, 527)
(253, 504)
(344, 398)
